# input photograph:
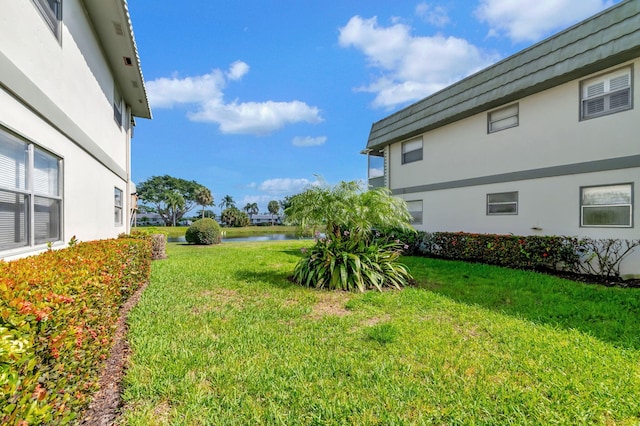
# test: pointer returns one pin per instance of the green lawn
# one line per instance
(178, 231)
(221, 336)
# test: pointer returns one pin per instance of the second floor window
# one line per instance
(412, 151)
(606, 94)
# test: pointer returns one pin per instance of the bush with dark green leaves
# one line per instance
(351, 264)
(204, 231)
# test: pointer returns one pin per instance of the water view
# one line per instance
(252, 238)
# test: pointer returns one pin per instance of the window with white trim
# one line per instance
(607, 206)
(30, 194)
(502, 203)
(117, 203)
(117, 107)
(51, 11)
(415, 209)
(503, 118)
(412, 151)
(606, 94)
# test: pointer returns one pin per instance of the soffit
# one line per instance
(112, 24)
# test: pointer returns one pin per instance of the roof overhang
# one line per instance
(112, 24)
(602, 41)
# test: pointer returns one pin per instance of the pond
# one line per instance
(252, 238)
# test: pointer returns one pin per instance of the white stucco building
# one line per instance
(70, 87)
(545, 142)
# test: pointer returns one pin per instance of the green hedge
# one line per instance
(58, 314)
(524, 252)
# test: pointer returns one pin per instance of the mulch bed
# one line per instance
(107, 402)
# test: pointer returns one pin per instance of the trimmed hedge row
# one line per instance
(58, 313)
(599, 257)
(530, 252)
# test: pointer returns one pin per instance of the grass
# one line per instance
(178, 231)
(221, 336)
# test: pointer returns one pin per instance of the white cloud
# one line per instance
(412, 67)
(206, 92)
(308, 140)
(257, 118)
(237, 70)
(167, 92)
(521, 23)
(435, 15)
(285, 185)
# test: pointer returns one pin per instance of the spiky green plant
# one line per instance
(346, 258)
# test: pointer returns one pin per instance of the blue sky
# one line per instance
(256, 98)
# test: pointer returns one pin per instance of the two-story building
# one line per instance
(70, 87)
(545, 142)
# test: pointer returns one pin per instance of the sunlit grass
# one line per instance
(178, 231)
(221, 336)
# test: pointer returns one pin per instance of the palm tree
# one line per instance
(227, 202)
(204, 198)
(251, 209)
(175, 202)
(274, 208)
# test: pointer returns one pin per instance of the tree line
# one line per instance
(172, 198)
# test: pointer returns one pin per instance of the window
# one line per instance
(117, 202)
(502, 203)
(503, 118)
(415, 208)
(606, 206)
(51, 11)
(30, 194)
(412, 151)
(376, 169)
(117, 107)
(606, 94)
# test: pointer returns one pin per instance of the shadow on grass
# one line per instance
(277, 279)
(611, 315)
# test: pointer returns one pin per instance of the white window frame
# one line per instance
(503, 118)
(415, 208)
(500, 202)
(51, 12)
(118, 107)
(412, 150)
(584, 206)
(39, 182)
(118, 206)
(606, 94)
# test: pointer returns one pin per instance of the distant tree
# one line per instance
(157, 191)
(274, 208)
(251, 209)
(234, 217)
(176, 202)
(204, 198)
(210, 214)
(227, 202)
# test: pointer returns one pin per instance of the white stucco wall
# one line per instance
(74, 83)
(549, 134)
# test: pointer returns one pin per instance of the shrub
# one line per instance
(58, 312)
(599, 257)
(204, 231)
(409, 239)
(531, 252)
(351, 264)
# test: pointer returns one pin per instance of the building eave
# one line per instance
(112, 24)
(600, 42)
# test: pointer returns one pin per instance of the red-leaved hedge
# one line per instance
(58, 313)
(527, 252)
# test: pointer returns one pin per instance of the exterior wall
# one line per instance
(546, 158)
(58, 94)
